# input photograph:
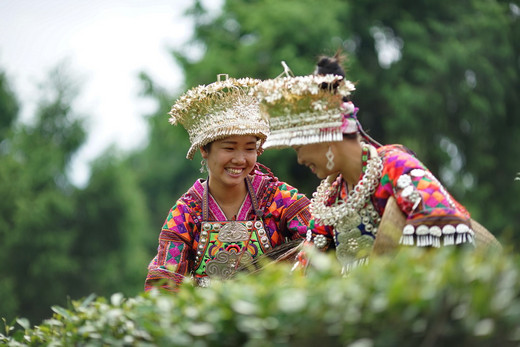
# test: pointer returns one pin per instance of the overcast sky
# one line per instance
(106, 44)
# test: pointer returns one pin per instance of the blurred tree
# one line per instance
(111, 224)
(58, 241)
(441, 78)
(250, 38)
(8, 107)
(162, 169)
(9, 168)
(37, 225)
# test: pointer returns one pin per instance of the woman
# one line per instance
(361, 177)
(239, 212)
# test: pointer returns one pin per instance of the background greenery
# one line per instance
(440, 77)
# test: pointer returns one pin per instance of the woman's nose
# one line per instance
(239, 157)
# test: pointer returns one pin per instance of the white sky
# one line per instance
(106, 43)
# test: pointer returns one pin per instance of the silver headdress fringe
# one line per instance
(300, 111)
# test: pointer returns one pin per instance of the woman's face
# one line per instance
(231, 159)
(314, 157)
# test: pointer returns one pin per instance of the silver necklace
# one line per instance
(344, 215)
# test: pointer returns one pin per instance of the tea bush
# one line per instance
(415, 298)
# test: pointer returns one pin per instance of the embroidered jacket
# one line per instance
(285, 217)
(433, 217)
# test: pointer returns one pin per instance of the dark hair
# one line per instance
(352, 136)
(207, 146)
(331, 66)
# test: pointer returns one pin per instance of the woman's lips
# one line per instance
(234, 171)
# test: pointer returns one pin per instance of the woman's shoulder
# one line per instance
(270, 187)
(193, 197)
(395, 150)
(271, 181)
(262, 175)
(398, 160)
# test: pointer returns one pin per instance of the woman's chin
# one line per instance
(322, 174)
(319, 174)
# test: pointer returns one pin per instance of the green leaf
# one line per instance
(24, 322)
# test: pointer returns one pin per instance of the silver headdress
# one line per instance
(301, 111)
(218, 110)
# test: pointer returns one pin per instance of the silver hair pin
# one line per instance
(286, 70)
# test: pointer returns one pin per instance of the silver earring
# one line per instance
(203, 165)
(330, 159)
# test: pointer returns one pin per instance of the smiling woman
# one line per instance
(241, 211)
(229, 162)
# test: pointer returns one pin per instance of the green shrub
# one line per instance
(416, 298)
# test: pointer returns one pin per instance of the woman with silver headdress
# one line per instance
(363, 182)
(239, 213)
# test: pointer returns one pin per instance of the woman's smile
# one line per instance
(234, 171)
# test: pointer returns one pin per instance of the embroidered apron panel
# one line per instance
(224, 245)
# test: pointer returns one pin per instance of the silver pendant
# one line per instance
(233, 232)
(225, 263)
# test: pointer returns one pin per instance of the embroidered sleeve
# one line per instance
(290, 210)
(433, 216)
(171, 264)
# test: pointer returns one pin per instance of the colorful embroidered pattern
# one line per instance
(432, 214)
(285, 217)
(214, 240)
(434, 199)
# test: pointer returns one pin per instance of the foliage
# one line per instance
(37, 224)
(418, 297)
(111, 231)
(8, 106)
(56, 240)
(8, 170)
